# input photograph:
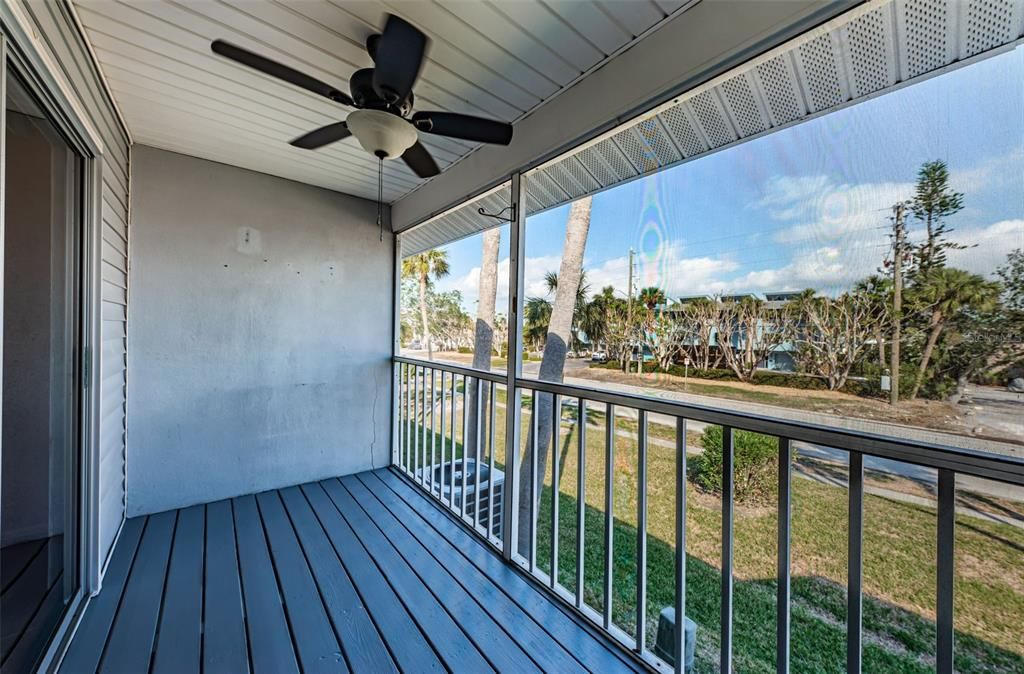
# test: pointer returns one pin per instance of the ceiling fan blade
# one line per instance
(420, 161)
(466, 127)
(325, 135)
(278, 70)
(398, 57)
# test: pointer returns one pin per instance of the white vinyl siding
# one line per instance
(58, 31)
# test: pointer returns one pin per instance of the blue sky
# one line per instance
(804, 207)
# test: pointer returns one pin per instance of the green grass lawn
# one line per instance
(899, 566)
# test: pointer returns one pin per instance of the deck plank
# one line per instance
(33, 640)
(19, 604)
(458, 651)
(178, 648)
(15, 558)
(362, 573)
(130, 645)
(269, 635)
(502, 649)
(383, 505)
(593, 651)
(317, 646)
(364, 649)
(87, 647)
(224, 643)
(405, 640)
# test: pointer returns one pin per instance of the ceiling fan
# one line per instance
(383, 100)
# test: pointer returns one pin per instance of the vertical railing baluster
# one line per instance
(455, 379)
(465, 437)
(433, 428)
(641, 531)
(415, 449)
(476, 451)
(493, 433)
(782, 599)
(422, 453)
(581, 494)
(556, 424)
(855, 558)
(727, 548)
(408, 417)
(444, 394)
(609, 510)
(679, 637)
(944, 579)
(534, 431)
(400, 412)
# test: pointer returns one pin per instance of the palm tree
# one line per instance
(595, 316)
(552, 364)
(483, 342)
(421, 267)
(652, 298)
(947, 292)
(537, 317)
(579, 310)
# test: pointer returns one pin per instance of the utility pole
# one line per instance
(899, 236)
(629, 305)
(629, 292)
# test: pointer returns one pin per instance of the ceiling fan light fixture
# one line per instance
(381, 133)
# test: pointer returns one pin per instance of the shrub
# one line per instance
(755, 457)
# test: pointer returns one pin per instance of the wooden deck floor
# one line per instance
(362, 573)
(31, 600)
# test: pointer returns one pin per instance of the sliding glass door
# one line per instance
(42, 370)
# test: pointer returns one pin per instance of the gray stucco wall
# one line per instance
(259, 333)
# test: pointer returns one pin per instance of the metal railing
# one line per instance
(429, 440)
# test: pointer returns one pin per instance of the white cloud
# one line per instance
(989, 246)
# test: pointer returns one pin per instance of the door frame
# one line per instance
(22, 49)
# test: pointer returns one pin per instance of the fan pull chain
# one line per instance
(380, 196)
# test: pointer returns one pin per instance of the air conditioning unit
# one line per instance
(445, 480)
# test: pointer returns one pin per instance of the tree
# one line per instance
(933, 202)
(600, 312)
(1012, 276)
(831, 334)
(652, 298)
(947, 292)
(877, 292)
(432, 263)
(748, 331)
(987, 341)
(552, 364)
(699, 320)
(536, 318)
(666, 338)
(579, 311)
(449, 323)
(483, 342)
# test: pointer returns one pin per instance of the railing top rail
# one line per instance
(457, 369)
(1003, 468)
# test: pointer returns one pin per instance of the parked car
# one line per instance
(599, 357)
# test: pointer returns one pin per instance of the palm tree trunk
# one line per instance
(552, 363)
(423, 316)
(926, 355)
(484, 332)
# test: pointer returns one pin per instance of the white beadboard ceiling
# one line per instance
(492, 58)
(876, 47)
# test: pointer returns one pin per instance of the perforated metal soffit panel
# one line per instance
(875, 47)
